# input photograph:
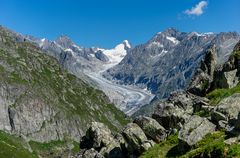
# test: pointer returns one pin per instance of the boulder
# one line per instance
(151, 128)
(99, 137)
(135, 138)
(195, 130)
(228, 109)
(224, 78)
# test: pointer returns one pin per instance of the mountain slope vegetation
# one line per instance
(41, 101)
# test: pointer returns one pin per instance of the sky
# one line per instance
(106, 23)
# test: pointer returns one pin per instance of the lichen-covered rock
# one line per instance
(195, 129)
(151, 128)
(134, 137)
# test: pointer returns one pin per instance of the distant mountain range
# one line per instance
(132, 76)
(51, 92)
(167, 61)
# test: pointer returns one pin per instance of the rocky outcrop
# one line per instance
(227, 75)
(99, 137)
(195, 130)
(226, 113)
(211, 75)
(151, 128)
(174, 112)
(130, 142)
(135, 138)
(201, 82)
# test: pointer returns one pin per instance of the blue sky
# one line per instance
(106, 23)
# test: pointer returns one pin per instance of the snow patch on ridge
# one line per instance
(172, 39)
(157, 44)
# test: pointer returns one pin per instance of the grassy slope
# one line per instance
(211, 143)
(25, 65)
(12, 147)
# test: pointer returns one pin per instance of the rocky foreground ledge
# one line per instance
(188, 114)
(178, 115)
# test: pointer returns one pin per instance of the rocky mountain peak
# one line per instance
(127, 45)
(64, 41)
(171, 31)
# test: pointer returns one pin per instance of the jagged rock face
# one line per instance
(168, 61)
(175, 111)
(195, 129)
(41, 101)
(151, 128)
(201, 82)
(99, 55)
(227, 75)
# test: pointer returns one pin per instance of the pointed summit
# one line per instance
(171, 32)
(64, 41)
(127, 45)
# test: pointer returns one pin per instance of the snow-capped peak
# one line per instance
(116, 55)
(127, 44)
